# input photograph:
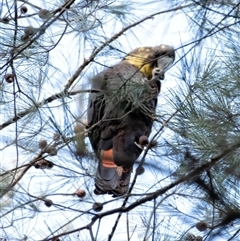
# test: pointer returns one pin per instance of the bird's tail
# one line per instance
(110, 178)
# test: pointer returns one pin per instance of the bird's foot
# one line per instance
(119, 170)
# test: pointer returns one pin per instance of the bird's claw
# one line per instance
(119, 170)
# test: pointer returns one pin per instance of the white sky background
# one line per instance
(160, 30)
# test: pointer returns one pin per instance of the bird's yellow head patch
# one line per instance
(146, 58)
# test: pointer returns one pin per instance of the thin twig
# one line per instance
(91, 234)
(127, 222)
(49, 99)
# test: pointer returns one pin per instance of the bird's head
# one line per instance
(148, 58)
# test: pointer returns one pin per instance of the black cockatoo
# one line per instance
(121, 112)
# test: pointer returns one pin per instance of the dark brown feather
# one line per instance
(120, 113)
